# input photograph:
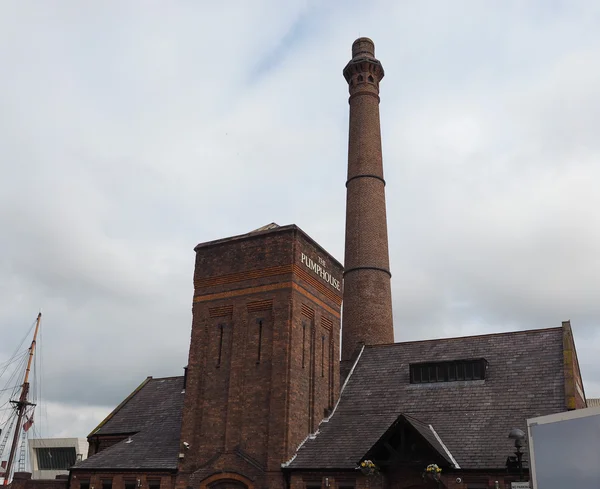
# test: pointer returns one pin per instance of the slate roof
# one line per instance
(152, 416)
(427, 432)
(524, 379)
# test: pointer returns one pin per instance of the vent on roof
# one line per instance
(450, 371)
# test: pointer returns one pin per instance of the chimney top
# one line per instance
(363, 47)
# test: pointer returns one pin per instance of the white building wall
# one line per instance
(80, 445)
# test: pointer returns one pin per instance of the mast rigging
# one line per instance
(22, 404)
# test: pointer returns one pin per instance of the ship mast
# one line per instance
(21, 404)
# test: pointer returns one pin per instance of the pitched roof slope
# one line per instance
(524, 379)
(152, 415)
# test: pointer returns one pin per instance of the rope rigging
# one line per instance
(16, 418)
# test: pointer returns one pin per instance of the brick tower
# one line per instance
(367, 293)
(264, 356)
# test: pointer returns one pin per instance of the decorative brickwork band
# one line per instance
(370, 94)
(365, 176)
(346, 272)
(219, 312)
(258, 306)
(367, 291)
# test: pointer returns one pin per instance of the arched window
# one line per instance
(227, 484)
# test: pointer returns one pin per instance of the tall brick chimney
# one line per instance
(367, 306)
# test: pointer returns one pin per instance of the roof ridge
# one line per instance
(449, 338)
(167, 378)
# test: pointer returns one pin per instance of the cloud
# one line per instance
(131, 131)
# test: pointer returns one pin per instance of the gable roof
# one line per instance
(425, 432)
(524, 379)
(151, 415)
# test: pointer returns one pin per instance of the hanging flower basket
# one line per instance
(433, 471)
(368, 468)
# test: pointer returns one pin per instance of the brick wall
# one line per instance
(402, 479)
(263, 367)
(23, 480)
(118, 479)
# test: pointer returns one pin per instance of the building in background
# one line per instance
(51, 457)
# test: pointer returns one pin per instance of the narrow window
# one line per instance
(441, 373)
(452, 372)
(460, 371)
(220, 344)
(260, 329)
(477, 370)
(106, 483)
(322, 356)
(415, 375)
(468, 370)
(303, 342)
(371, 79)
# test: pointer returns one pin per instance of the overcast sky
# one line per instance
(130, 131)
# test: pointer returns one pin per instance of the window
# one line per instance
(425, 373)
(260, 331)
(84, 484)
(56, 458)
(154, 484)
(106, 483)
(130, 484)
(303, 342)
(220, 345)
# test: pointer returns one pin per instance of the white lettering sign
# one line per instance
(318, 267)
(519, 485)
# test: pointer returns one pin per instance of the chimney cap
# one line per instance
(363, 47)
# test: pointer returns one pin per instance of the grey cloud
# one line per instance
(126, 138)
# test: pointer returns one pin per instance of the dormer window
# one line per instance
(450, 371)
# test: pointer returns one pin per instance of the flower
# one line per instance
(433, 470)
(367, 467)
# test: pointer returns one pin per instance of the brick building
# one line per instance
(266, 403)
